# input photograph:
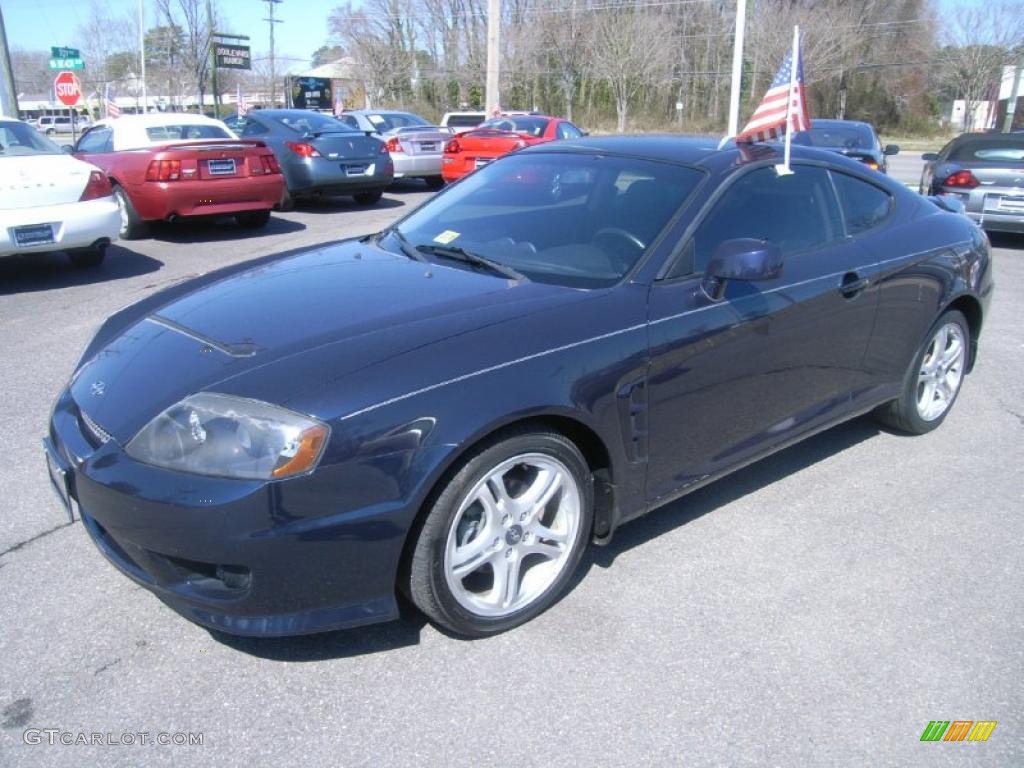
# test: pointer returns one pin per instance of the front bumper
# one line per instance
(244, 557)
(75, 225)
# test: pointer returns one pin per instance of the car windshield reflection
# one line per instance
(577, 220)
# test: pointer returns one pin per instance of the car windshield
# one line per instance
(185, 132)
(534, 126)
(848, 136)
(389, 121)
(313, 122)
(19, 139)
(1009, 151)
(570, 219)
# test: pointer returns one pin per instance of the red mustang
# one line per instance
(477, 147)
(168, 166)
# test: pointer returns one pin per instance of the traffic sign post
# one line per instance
(67, 88)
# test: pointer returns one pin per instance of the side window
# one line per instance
(252, 128)
(568, 131)
(864, 205)
(350, 121)
(95, 140)
(796, 212)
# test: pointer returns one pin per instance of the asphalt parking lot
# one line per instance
(818, 608)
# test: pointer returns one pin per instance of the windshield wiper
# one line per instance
(458, 253)
(404, 244)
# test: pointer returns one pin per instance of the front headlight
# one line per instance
(226, 436)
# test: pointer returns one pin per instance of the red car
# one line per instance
(477, 147)
(169, 166)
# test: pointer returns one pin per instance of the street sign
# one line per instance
(67, 88)
(232, 56)
(65, 53)
(67, 64)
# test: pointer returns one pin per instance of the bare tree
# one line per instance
(190, 17)
(618, 59)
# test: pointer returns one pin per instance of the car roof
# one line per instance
(273, 113)
(159, 118)
(830, 122)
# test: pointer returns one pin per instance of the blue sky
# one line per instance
(39, 24)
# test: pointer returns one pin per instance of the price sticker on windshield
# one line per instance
(446, 237)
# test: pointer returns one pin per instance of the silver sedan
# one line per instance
(416, 146)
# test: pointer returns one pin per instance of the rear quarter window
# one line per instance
(864, 205)
(185, 132)
(1010, 151)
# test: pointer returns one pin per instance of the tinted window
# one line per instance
(796, 212)
(864, 205)
(350, 121)
(22, 139)
(185, 131)
(310, 122)
(568, 131)
(389, 121)
(534, 126)
(845, 135)
(251, 128)
(1008, 150)
(96, 140)
(464, 121)
(569, 219)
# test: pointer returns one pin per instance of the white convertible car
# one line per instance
(49, 201)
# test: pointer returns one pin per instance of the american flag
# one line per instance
(110, 105)
(769, 119)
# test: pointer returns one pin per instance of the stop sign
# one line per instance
(67, 88)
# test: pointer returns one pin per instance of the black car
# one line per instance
(454, 407)
(320, 155)
(848, 137)
(985, 173)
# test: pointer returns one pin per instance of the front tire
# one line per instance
(502, 540)
(934, 378)
(435, 182)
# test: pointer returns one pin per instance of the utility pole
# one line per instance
(492, 99)
(1011, 104)
(142, 57)
(8, 92)
(213, 62)
(737, 68)
(273, 71)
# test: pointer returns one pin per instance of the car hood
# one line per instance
(242, 333)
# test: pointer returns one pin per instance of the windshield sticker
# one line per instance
(446, 237)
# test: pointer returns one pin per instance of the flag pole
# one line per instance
(794, 62)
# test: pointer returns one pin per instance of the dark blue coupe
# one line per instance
(457, 406)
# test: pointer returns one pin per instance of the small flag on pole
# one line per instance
(339, 103)
(243, 105)
(784, 103)
(110, 104)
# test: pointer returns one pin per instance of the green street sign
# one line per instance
(65, 53)
(67, 64)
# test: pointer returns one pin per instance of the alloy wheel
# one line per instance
(942, 371)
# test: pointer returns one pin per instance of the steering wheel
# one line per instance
(616, 233)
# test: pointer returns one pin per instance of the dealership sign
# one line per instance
(232, 56)
(311, 93)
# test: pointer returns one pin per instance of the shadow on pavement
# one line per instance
(46, 271)
(730, 488)
(340, 203)
(1006, 240)
(342, 644)
(220, 229)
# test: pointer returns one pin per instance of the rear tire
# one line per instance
(501, 541)
(132, 225)
(253, 219)
(368, 198)
(88, 257)
(434, 182)
(933, 379)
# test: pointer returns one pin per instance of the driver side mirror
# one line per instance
(892, 149)
(741, 259)
(930, 157)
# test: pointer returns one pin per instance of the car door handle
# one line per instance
(852, 285)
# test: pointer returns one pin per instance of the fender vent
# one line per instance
(632, 401)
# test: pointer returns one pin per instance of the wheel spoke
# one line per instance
(549, 551)
(542, 531)
(953, 351)
(506, 581)
(491, 506)
(927, 397)
(473, 555)
(539, 494)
